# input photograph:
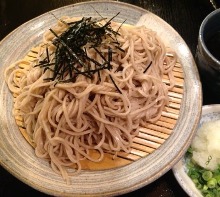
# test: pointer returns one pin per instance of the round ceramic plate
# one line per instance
(209, 113)
(18, 157)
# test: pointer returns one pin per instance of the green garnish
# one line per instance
(71, 57)
(207, 181)
(207, 175)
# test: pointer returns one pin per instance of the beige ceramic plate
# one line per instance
(209, 113)
(18, 157)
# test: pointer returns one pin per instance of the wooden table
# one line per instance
(185, 16)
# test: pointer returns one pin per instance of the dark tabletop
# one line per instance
(183, 15)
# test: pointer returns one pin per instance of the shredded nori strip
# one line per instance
(147, 67)
(71, 57)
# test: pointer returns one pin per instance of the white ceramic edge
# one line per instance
(179, 170)
(152, 171)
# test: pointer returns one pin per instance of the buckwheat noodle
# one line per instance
(68, 120)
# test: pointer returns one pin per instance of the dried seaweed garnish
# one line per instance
(147, 67)
(71, 57)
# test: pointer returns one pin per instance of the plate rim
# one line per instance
(187, 143)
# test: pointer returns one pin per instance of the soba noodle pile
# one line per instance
(66, 120)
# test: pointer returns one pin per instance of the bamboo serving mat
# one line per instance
(148, 140)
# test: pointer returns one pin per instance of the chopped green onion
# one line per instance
(212, 183)
(207, 175)
(207, 181)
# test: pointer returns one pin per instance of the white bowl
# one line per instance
(209, 113)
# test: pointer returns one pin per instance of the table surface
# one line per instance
(183, 15)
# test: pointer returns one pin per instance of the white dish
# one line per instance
(18, 157)
(209, 113)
